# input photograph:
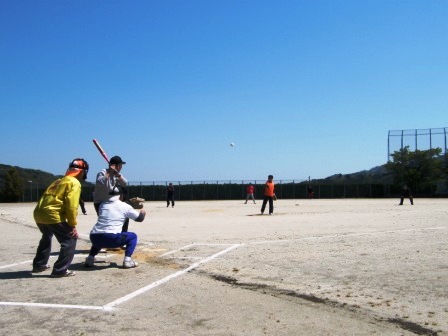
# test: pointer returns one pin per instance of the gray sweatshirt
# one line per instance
(106, 188)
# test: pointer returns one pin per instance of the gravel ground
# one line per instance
(316, 267)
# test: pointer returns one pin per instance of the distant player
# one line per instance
(269, 195)
(250, 193)
(170, 195)
(82, 205)
(310, 192)
(406, 193)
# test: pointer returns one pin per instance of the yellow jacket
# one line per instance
(59, 203)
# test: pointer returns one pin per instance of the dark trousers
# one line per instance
(410, 199)
(170, 199)
(126, 221)
(271, 204)
(113, 240)
(62, 232)
(82, 205)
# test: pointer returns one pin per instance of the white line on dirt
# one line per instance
(168, 278)
(181, 249)
(53, 257)
(373, 233)
(50, 305)
(113, 304)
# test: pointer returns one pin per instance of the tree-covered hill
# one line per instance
(37, 177)
(378, 174)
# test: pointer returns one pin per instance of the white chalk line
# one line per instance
(53, 257)
(169, 277)
(373, 233)
(112, 305)
(51, 305)
(186, 247)
(181, 249)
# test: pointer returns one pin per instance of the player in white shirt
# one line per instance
(107, 231)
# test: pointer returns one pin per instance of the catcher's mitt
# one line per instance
(136, 202)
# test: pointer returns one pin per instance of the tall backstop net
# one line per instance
(416, 139)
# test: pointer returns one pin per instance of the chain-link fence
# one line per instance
(236, 190)
(417, 139)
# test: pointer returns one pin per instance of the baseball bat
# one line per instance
(101, 150)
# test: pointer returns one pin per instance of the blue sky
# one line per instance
(303, 88)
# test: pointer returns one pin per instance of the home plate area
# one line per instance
(106, 285)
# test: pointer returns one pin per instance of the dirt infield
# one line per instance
(316, 267)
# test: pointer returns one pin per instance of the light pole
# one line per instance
(31, 190)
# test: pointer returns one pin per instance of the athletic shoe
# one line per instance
(63, 275)
(129, 263)
(40, 269)
(89, 261)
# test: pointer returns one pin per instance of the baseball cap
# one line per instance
(116, 160)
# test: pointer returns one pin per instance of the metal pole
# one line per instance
(416, 137)
(388, 146)
(402, 131)
(430, 138)
(31, 190)
(444, 132)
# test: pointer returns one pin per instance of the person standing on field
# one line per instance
(250, 193)
(82, 205)
(269, 195)
(55, 215)
(406, 193)
(310, 192)
(170, 195)
(109, 183)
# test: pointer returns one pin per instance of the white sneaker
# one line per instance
(89, 261)
(129, 263)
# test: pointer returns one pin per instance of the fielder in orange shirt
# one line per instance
(269, 195)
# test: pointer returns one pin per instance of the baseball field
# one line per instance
(316, 267)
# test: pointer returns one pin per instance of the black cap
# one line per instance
(116, 160)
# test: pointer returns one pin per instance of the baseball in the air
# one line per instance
(232, 144)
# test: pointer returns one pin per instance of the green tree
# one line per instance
(419, 170)
(13, 187)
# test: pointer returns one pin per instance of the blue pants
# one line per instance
(113, 240)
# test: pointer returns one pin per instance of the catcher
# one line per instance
(107, 232)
